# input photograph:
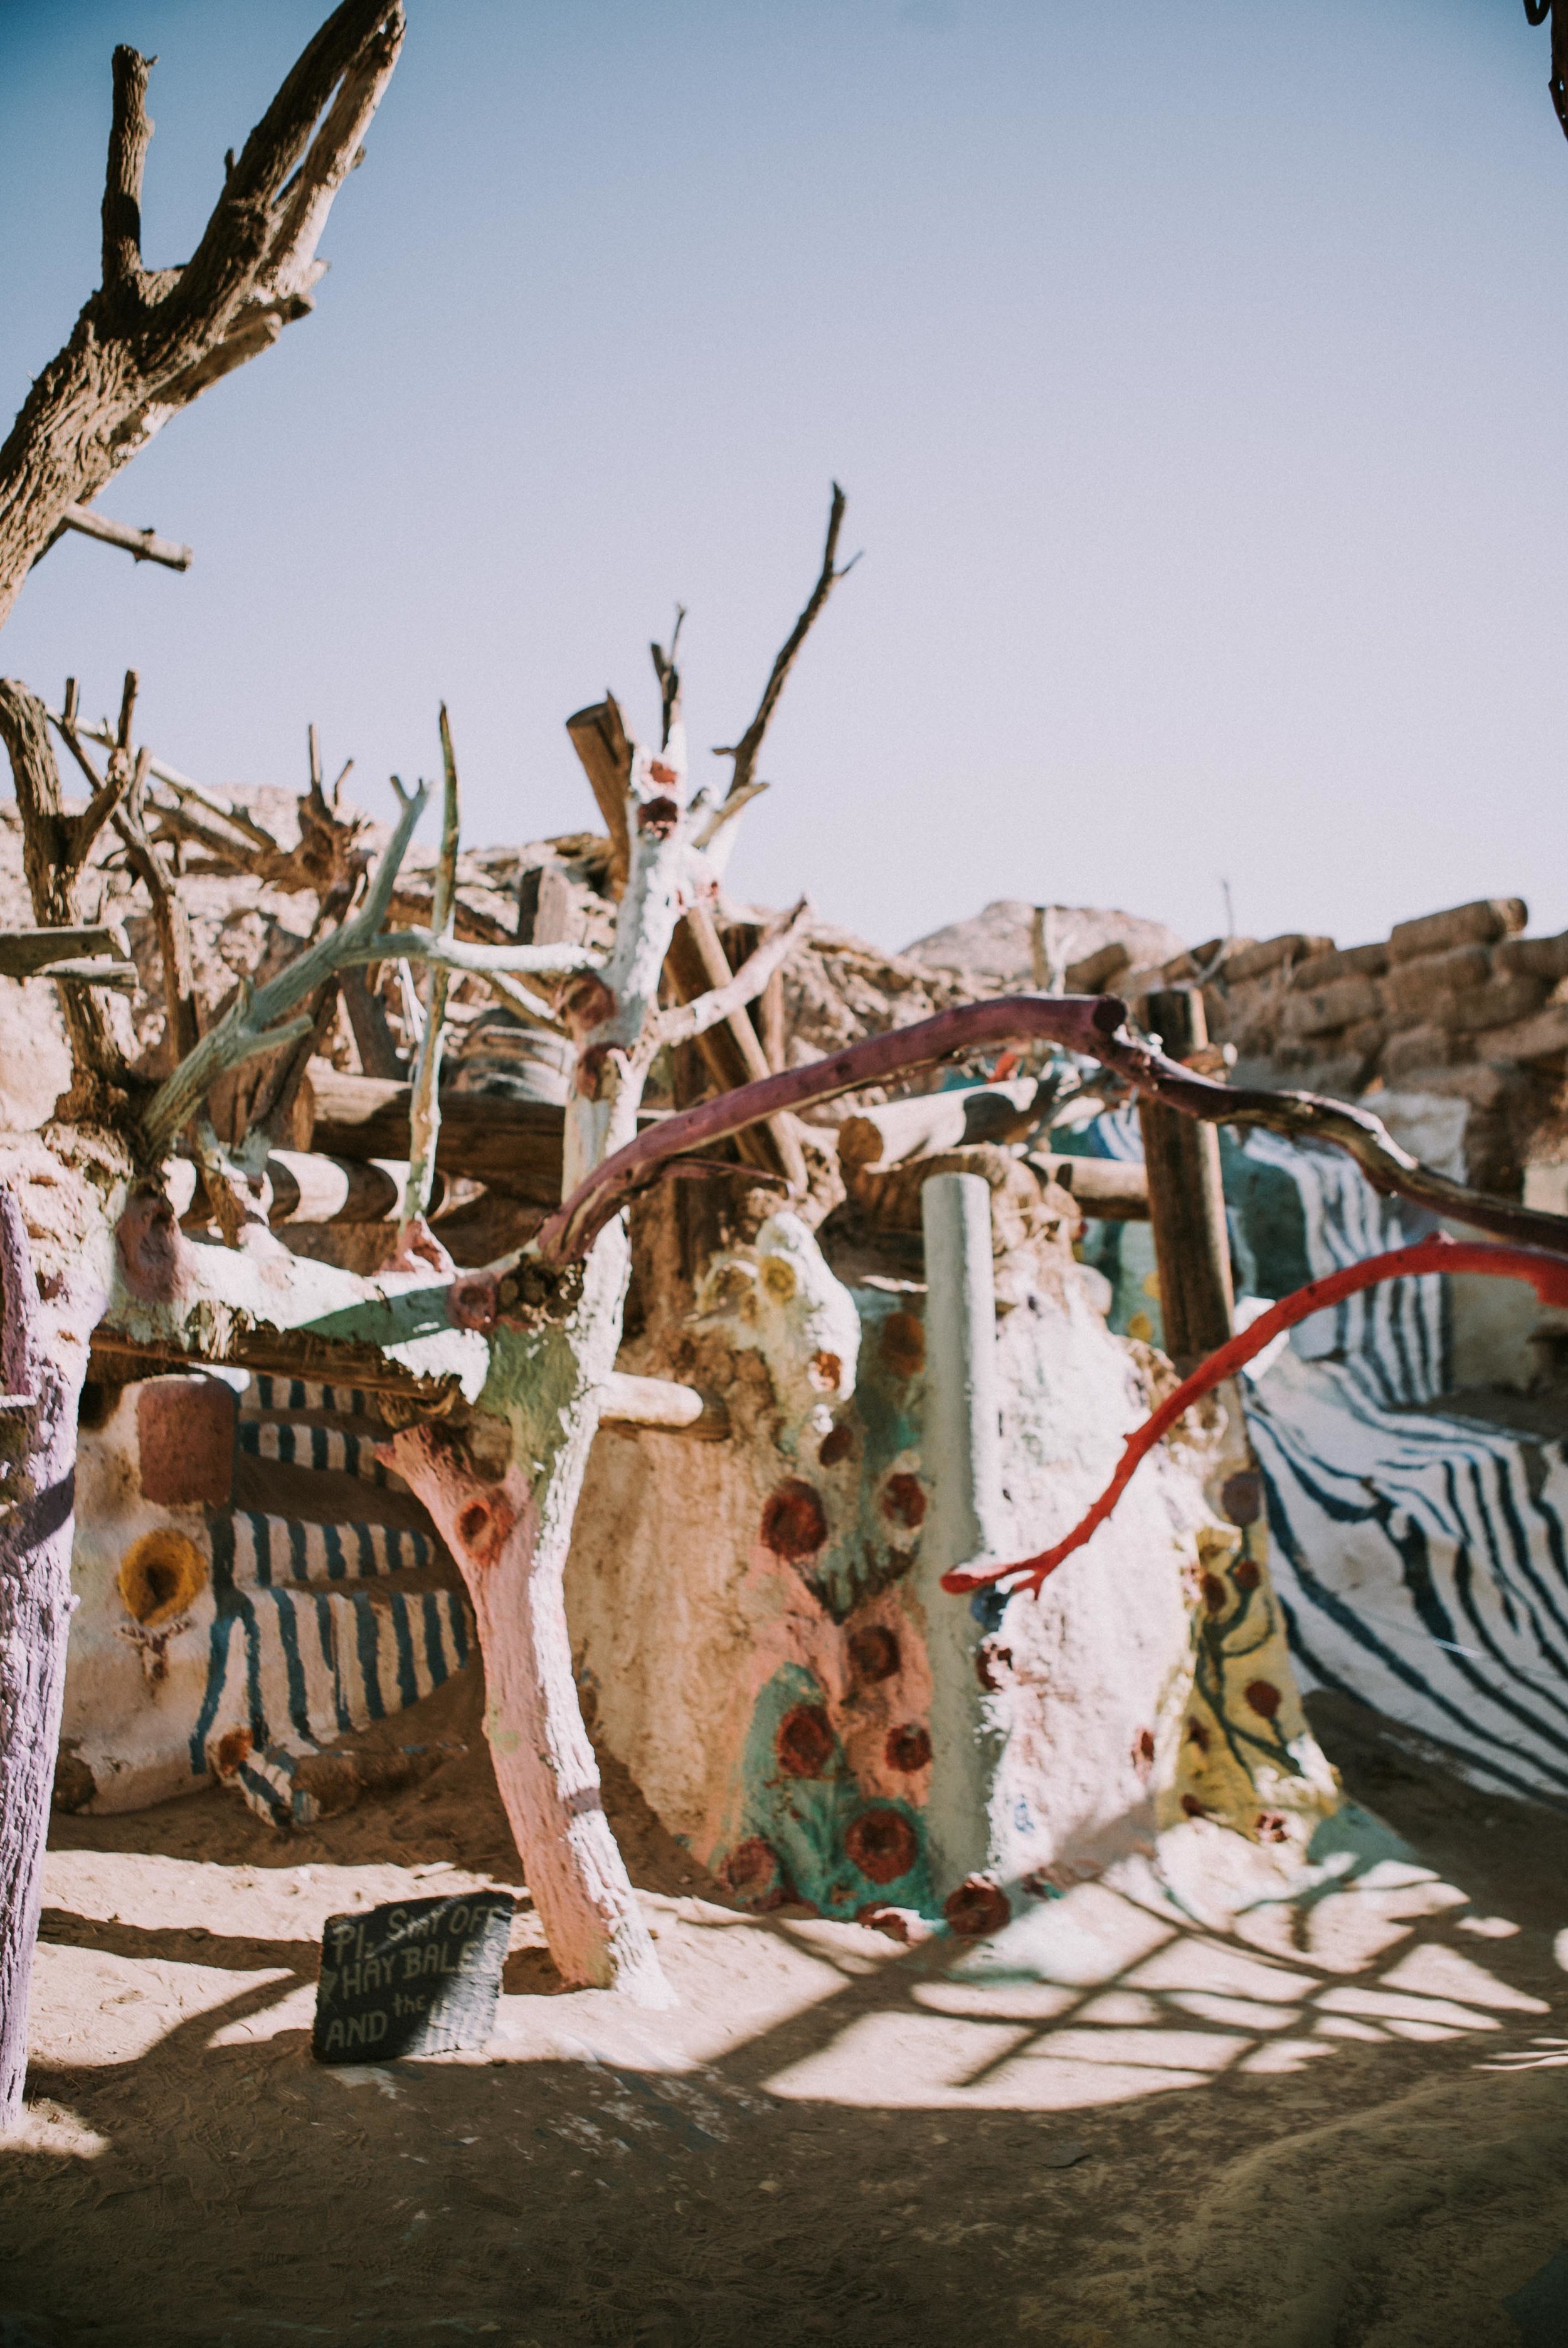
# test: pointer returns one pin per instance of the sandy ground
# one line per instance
(1137, 2118)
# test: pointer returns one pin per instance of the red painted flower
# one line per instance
(882, 1845)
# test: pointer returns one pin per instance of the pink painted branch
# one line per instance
(545, 1767)
(1547, 1274)
(1093, 1025)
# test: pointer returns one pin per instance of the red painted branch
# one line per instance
(1547, 1274)
(1090, 1025)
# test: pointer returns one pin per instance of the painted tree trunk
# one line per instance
(38, 1443)
(511, 1540)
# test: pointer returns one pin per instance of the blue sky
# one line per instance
(1194, 372)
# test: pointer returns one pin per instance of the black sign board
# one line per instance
(417, 1977)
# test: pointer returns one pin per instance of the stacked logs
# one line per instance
(1458, 1002)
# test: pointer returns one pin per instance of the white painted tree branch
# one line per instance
(683, 1021)
(454, 954)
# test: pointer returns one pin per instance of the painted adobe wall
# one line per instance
(753, 1620)
(211, 1633)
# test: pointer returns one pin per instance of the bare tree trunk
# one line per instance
(46, 1366)
(511, 1538)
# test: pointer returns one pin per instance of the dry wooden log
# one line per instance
(308, 1188)
(740, 940)
(1103, 1189)
(1341, 961)
(732, 1049)
(934, 1122)
(600, 738)
(1324, 1008)
(1483, 922)
(888, 1198)
(414, 1237)
(24, 953)
(1545, 958)
(1098, 969)
(1274, 953)
(372, 1031)
(511, 1146)
(119, 977)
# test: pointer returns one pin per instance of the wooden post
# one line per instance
(1186, 1200)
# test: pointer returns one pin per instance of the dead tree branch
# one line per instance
(54, 849)
(250, 1026)
(149, 341)
(414, 1237)
(745, 752)
(1537, 11)
(668, 676)
(685, 1021)
(1093, 1025)
(183, 1022)
(141, 545)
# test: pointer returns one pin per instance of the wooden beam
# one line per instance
(509, 1146)
(1187, 1198)
(598, 736)
(731, 1052)
(25, 952)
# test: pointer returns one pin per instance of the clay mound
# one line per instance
(992, 949)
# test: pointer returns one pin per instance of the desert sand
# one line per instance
(1339, 2119)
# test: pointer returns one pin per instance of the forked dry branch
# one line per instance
(149, 341)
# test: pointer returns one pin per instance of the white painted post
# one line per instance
(962, 1461)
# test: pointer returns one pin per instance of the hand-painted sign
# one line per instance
(416, 1977)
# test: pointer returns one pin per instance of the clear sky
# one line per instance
(1196, 372)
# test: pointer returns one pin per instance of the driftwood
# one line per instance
(149, 341)
(1093, 1025)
